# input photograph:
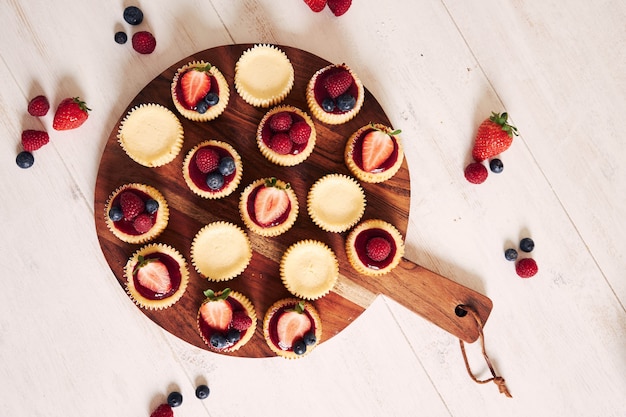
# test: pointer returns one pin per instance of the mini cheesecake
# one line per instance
(212, 169)
(309, 269)
(374, 247)
(374, 153)
(286, 135)
(156, 276)
(335, 94)
(226, 320)
(336, 202)
(292, 328)
(199, 91)
(136, 213)
(268, 207)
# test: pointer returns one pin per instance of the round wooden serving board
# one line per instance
(424, 292)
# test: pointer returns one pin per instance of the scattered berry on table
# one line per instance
(476, 173)
(526, 267)
(281, 144)
(510, 254)
(280, 122)
(132, 206)
(496, 166)
(34, 139)
(144, 42)
(212, 99)
(215, 180)
(133, 15)
(175, 399)
(227, 165)
(300, 132)
(328, 104)
(25, 159)
(526, 245)
(493, 137)
(207, 160)
(143, 223)
(316, 5)
(116, 214)
(151, 206)
(339, 7)
(378, 249)
(71, 113)
(338, 83)
(121, 37)
(163, 410)
(299, 347)
(38, 106)
(202, 391)
(309, 338)
(346, 102)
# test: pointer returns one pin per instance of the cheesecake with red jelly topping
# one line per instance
(212, 169)
(199, 91)
(268, 207)
(292, 328)
(335, 94)
(374, 247)
(156, 276)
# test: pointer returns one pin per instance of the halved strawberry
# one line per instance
(153, 275)
(195, 85)
(377, 148)
(291, 326)
(270, 203)
(216, 311)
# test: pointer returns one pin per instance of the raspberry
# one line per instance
(142, 223)
(207, 160)
(38, 106)
(476, 173)
(316, 5)
(164, 410)
(339, 7)
(241, 321)
(378, 249)
(144, 42)
(526, 267)
(34, 139)
(338, 83)
(281, 144)
(280, 122)
(300, 132)
(132, 205)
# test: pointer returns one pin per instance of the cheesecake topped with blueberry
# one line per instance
(212, 169)
(199, 91)
(335, 94)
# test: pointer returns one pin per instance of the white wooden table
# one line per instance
(72, 344)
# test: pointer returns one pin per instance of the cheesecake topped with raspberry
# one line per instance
(335, 94)
(212, 169)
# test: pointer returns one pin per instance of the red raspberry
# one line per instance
(281, 144)
(132, 206)
(207, 160)
(280, 122)
(142, 223)
(338, 83)
(38, 106)
(34, 139)
(378, 249)
(164, 410)
(339, 7)
(144, 42)
(526, 267)
(300, 132)
(316, 5)
(476, 173)
(241, 321)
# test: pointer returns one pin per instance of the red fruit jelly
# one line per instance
(175, 277)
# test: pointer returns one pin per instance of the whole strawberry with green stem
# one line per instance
(493, 137)
(71, 113)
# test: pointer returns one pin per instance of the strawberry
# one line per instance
(476, 173)
(377, 148)
(143, 223)
(493, 137)
(132, 206)
(338, 83)
(34, 139)
(153, 275)
(292, 325)
(281, 144)
(300, 132)
(316, 5)
(270, 203)
(526, 268)
(280, 122)
(144, 42)
(241, 320)
(207, 160)
(195, 84)
(70, 114)
(378, 248)
(216, 311)
(38, 106)
(163, 410)
(339, 7)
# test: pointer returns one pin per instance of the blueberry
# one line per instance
(527, 244)
(328, 105)
(25, 159)
(133, 15)
(202, 107)
(202, 391)
(510, 254)
(299, 347)
(175, 399)
(121, 38)
(346, 102)
(233, 335)
(218, 341)
(227, 165)
(496, 166)
(152, 206)
(215, 180)
(212, 99)
(309, 338)
(116, 214)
